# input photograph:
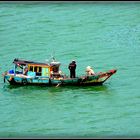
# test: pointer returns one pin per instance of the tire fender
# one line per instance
(24, 81)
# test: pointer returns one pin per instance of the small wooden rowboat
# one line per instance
(35, 73)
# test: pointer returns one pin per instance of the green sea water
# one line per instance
(104, 35)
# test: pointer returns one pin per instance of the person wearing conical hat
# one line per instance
(89, 71)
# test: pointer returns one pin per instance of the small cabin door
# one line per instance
(45, 72)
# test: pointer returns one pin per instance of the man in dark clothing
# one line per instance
(72, 68)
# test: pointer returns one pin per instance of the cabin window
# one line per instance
(31, 68)
(35, 69)
(39, 70)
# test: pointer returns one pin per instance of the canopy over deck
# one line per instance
(26, 62)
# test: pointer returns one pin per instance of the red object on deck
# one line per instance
(113, 71)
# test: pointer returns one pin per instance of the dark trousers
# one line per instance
(72, 74)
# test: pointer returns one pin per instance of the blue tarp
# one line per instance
(11, 71)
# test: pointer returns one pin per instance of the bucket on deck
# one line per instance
(11, 71)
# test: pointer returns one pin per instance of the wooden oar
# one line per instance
(58, 84)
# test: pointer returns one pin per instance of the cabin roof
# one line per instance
(26, 62)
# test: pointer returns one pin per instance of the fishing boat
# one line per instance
(27, 72)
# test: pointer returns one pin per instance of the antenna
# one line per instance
(52, 56)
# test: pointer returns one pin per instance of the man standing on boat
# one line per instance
(72, 68)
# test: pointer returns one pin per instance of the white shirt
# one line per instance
(90, 71)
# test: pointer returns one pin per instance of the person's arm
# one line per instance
(92, 72)
(69, 67)
(75, 66)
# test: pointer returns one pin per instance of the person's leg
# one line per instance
(70, 74)
(73, 74)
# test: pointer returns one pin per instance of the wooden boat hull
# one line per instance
(93, 80)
